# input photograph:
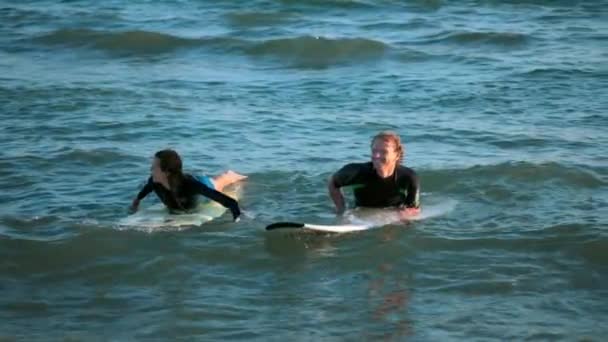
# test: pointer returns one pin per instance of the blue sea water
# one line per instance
(502, 105)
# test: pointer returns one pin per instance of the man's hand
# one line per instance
(408, 213)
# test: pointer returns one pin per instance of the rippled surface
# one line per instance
(502, 105)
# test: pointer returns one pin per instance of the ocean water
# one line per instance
(502, 105)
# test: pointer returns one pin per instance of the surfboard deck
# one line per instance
(360, 219)
(158, 217)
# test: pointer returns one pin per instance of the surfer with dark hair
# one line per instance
(178, 191)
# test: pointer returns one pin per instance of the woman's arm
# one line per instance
(142, 193)
(219, 197)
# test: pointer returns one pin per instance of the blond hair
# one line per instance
(390, 136)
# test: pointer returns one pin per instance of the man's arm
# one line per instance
(346, 176)
(412, 200)
(336, 195)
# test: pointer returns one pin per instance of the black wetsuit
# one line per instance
(400, 189)
(186, 194)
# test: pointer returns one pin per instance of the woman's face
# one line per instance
(158, 175)
(384, 154)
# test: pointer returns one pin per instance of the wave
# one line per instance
(130, 42)
(502, 39)
(406, 55)
(345, 4)
(319, 51)
(566, 74)
(301, 51)
(575, 176)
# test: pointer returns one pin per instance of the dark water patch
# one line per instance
(79, 251)
(497, 39)
(415, 6)
(34, 228)
(19, 17)
(520, 141)
(602, 38)
(223, 44)
(558, 4)
(557, 17)
(29, 16)
(471, 60)
(330, 4)
(414, 23)
(58, 91)
(255, 19)
(148, 44)
(594, 251)
(595, 120)
(550, 244)
(28, 308)
(93, 157)
(548, 336)
(27, 161)
(21, 223)
(563, 229)
(66, 157)
(503, 141)
(13, 175)
(480, 288)
(406, 55)
(308, 51)
(564, 74)
(294, 187)
(41, 103)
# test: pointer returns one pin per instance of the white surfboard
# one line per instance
(318, 227)
(158, 217)
(366, 218)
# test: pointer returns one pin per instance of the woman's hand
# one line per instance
(236, 213)
(134, 206)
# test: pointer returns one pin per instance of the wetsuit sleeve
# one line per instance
(146, 189)
(219, 197)
(412, 200)
(347, 175)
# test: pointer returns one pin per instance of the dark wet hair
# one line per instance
(171, 163)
